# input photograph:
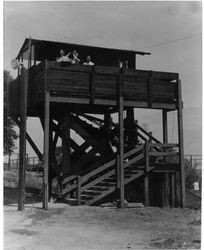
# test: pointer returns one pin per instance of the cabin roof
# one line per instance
(41, 45)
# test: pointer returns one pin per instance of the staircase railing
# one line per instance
(81, 183)
(150, 136)
(165, 150)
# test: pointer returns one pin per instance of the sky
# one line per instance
(171, 31)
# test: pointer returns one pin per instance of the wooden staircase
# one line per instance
(97, 184)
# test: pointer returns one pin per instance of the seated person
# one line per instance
(75, 59)
(63, 57)
(88, 61)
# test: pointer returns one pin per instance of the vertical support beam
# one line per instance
(46, 150)
(165, 198)
(121, 139)
(29, 51)
(165, 126)
(22, 141)
(172, 182)
(118, 171)
(66, 145)
(146, 178)
(181, 144)
(136, 131)
(107, 120)
(130, 127)
(79, 191)
(51, 158)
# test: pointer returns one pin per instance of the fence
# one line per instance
(195, 161)
(33, 164)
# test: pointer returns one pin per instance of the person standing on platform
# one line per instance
(63, 57)
(75, 59)
(88, 61)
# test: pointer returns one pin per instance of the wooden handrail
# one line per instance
(104, 167)
(146, 133)
(162, 153)
(164, 145)
(112, 172)
(141, 136)
(69, 178)
(133, 151)
(98, 170)
(136, 158)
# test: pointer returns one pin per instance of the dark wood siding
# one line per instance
(92, 82)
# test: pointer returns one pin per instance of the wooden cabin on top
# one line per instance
(113, 159)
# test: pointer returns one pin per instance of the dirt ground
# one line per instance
(67, 227)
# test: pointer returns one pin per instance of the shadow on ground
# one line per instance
(11, 196)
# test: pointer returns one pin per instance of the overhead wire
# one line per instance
(171, 41)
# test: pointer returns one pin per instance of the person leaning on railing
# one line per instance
(63, 57)
(88, 61)
(75, 59)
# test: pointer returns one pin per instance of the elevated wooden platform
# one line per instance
(92, 89)
(63, 96)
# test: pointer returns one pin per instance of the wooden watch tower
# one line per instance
(109, 158)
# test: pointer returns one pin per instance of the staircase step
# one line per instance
(105, 184)
(130, 172)
(107, 181)
(73, 201)
(98, 188)
(134, 168)
(91, 192)
(86, 197)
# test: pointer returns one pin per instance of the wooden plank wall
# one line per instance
(75, 79)
(92, 82)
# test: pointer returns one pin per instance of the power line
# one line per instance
(171, 41)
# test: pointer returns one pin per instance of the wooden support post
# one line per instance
(46, 150)
(118, 171)
(146, 178)
(79, 191)
(107, 120)
(66, 160)
(22, 141)
(172, 182)
(29, 52)
(51, 158)
(175, 188)
(129, 127)
(165, 198)
(181, 145)
(136, 131)
(121, 140)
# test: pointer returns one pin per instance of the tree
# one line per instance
(10, 134)
(190, 173)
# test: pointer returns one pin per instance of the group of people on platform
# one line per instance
(73, 58)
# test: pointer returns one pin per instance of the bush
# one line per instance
(191, 174)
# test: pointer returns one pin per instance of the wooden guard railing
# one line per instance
(162, 152)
